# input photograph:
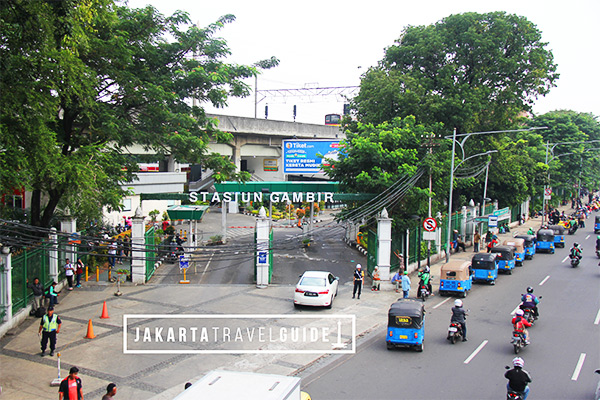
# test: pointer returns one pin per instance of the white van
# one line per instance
(229, 385)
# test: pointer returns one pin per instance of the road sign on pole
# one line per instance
(492, 221)
(429, 224)
(548, 194)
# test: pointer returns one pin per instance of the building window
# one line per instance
(126, 204)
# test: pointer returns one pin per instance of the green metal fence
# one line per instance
(30, 264)
(372, 248)
(150, 252)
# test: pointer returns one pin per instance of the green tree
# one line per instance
(473, 72)
(87, 79)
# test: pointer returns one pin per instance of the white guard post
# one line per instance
(53, 264)
(138, 254)
(263, 229)
(68, 224)
(384, 251)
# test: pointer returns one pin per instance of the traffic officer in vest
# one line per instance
(49, 327)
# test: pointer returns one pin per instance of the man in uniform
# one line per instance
(49, 328)
(359, 275)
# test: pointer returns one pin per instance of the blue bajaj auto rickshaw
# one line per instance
(485, 267)
(559, 235)
(529, 244)
(544, 241)
(519, 245)
(455, 278)
(506, 258)
(406, 322)
(597, 224)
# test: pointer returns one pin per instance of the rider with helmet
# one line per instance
(459, 316)
(576, 251)
(598, 243)
(520, 324)
(425, 276)
(529, 300)
(518, 378)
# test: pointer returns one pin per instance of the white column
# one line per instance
(68, 225)
(224, 221)
(53, 264)
(6, 282)
(138, 247)
(463, 222)
(384, 252)
(234, 207)
(263, 229)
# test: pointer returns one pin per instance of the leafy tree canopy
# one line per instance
(473, 72)
(83, 80)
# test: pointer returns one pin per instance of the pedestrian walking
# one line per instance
(476, 241)
(359, 275)
(78, 272)
(52, 295)
(38, 293)
(71, 388)
(376, 279)
(49, 328)
(112, 253)
(111, 391)
(405, 284)
(126, 247)
(119, 250)
(69, 273)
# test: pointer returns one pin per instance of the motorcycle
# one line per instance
(575, 262)
(512, 395)
(528, 313)
(598, 253)
(454, 332)
(423, 292)
(518, 341)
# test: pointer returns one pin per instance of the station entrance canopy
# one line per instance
(295, 192)
(192, 213)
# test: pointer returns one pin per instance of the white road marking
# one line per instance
(477, 350)
(515, 310)
(439, 304)
(597, 320)
(207, 264)
(565, 259)
(545, 279)
(578, 367)
(587, 237)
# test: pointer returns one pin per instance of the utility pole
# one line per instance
(429, 144)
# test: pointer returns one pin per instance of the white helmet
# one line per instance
(458, 303)
(519, 312)
(518, 362)
(358, 266)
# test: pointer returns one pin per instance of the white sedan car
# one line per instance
(316, 288)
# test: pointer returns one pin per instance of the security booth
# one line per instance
(529, 244)
(455, 277)
(485, 267)
(506, 258)
(519, 245)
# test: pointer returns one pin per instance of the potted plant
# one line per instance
(216, 240)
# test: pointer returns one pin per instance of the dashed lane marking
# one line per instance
(578, 367)
(597, 320)
(439, 304)
(545, 279)
(477, 350)
(565, 259)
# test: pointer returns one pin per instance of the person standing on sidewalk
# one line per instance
(359, 275)
(38, 293)
(405, 284)
(79, 271)
(111, 391)
(71, 387)
(49, 328)
(476, 240)
(69, 272)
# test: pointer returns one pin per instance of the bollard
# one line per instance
(86, 273)
(109, 274)
(97, 274)
(185, 235)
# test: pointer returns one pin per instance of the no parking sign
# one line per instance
(429, 224)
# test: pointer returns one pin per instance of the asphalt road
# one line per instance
(562, 357)
(233, 263)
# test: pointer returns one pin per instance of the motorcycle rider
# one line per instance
(520, 324)
(529, 300)
(518, 378)
(459, 316)
(598, 243)
(425, 276)
(531, 231)
(576, 251)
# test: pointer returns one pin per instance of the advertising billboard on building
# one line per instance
(308, 156)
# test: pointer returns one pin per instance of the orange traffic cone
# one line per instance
(104, 312)
(90, 331)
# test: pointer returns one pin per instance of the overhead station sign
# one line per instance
(308, 156)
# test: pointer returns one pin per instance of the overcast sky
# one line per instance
(331, 43)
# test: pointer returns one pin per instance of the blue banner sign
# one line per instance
(308, 156)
